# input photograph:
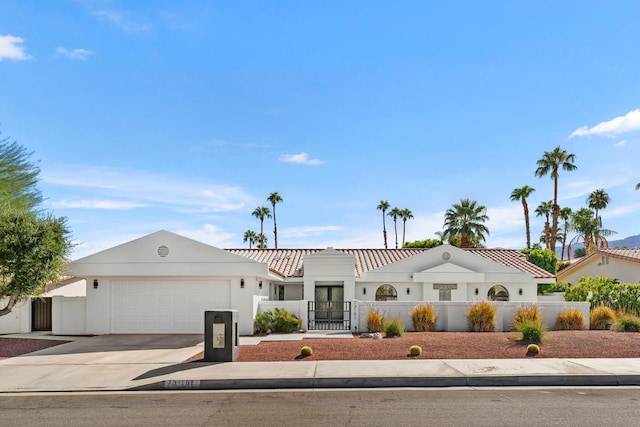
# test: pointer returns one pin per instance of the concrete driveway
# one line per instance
(105, 362)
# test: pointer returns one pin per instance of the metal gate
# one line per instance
(41, 314)
(329, 315)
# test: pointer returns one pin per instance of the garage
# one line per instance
(165, 306)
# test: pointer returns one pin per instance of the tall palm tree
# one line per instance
(262, 239)
(565, 214)
(521, 194)
(465, 221)
(251, 237)
(544, 209)
(589, 230)
(262, 212)
(383, 206)
(395, 213)
(405, 214)
(275, 198)
(598, 200)
(550, 164)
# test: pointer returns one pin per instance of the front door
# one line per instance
(329, 302)
(41, 314)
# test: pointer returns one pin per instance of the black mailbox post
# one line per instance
(221, 340)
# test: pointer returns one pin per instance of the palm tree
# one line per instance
(383, 206)
(251, 237)
(261, 212)
(521, 194)
(465, 221)
(598, 200)
(275, 198)
(565, 214)
(544, 209)
(395, 213)
(405, 214)
(589, 230)
(550, 163)
(262, 241)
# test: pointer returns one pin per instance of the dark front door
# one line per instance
(329, 302)
(41, 314)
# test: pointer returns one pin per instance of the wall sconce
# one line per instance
(95, 283)
(260, 284)
(408, 291)
(477, 292)
(520, 291)
(242, 283)
(364, 291)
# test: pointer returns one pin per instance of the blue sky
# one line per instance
(185, 116)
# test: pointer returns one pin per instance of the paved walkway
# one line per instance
(154, 362)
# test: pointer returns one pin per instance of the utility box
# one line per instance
(221, 340)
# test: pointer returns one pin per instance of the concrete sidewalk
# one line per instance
(144, 362)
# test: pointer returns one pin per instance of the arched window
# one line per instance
(498, 293)
(386, 293)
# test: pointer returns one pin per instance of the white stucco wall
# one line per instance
(18, 321)
(68, 316)
(624, 271)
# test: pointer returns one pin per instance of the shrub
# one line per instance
(277, 320)
(531, 331)
(533, 349)
(306, 351)
(570, 320)
(393, 328)
(415, 350)
(424, 318)
(375, 321)
(481, 317)
(526, 314)
(602, 290)
(602, 317)
(628, 323)
(543, 258)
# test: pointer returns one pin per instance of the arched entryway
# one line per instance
(498, 293)
(386, 293)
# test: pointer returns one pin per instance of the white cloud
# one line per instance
(96, 204)
(302, 159)
(621, 124)
(211, 235)
(10, 48)
(621, 143)
(297, 232)
(78, 54)
(121, 21)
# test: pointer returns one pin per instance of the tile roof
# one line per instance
(289, 262)
(631, 255)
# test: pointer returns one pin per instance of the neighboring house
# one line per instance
(163, 282)
(622, 264)
(35, 314)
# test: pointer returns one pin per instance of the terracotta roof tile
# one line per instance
(631, 255)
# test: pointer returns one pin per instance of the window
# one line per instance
(444, 290)
(498, 293)
(386, 293)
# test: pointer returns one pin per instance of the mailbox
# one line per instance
(221, 340)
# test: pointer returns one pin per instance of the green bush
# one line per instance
(375, 320)
(277, 320)
(393, 328)
(481, 317)
(570, 320)
(424, 318)
(628, 323)
(602, 318)
(532, 331)
(543, 258)
(601, 290)
(546, 288)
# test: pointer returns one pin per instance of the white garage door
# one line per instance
(165, 307)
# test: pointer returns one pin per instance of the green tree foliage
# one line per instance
(608, 292)
(262, 212)
(395, 213)
(426, 243)
(18, 178)
(543, 258)
(275, 198)
(32, 253)
(405, 214)
(464, 224)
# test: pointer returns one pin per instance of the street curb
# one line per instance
(383, 382)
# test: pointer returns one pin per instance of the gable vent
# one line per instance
(163, 251)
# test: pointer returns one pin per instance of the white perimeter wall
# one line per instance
(68, 316)
(18, 321)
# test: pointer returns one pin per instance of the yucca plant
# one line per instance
(481, 317)
(424, 318)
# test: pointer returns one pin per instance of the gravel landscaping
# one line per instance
(12, 347)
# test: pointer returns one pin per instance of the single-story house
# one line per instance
(163, 282)
(622, 264)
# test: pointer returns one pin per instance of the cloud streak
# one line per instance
(76, 54)
(119, 19)
(301, 159)
(630, 122)
(11, 48)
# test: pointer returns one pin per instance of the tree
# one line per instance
(544, 209)
(383, 206)
(597, 201)
(589, 230)
(427, 243)
(262, 212)
(33, 249)
(405, 214)
(395, 213)
(565, 214)
(262, 241)
(550, 164)
(251, 237)
(18, 178)
(465, 221)
(638, 186)
(521, 194)
(543, 258)
(275, 198)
